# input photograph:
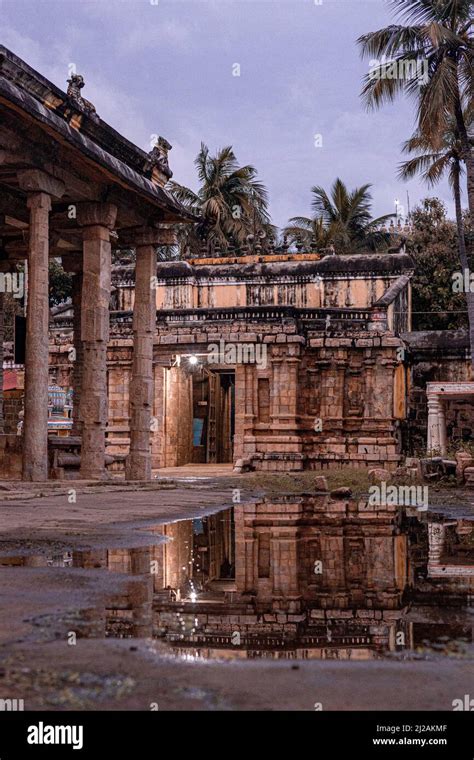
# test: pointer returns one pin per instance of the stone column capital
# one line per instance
(147, 235)
(36, 181)
(39, 200)
(96, 232)
(433, 400)
(96, 215)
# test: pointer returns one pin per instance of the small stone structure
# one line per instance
(437, 395)
(438, 356)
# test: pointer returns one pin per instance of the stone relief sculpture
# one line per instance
(75, 85)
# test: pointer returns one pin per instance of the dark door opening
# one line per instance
(213, 416)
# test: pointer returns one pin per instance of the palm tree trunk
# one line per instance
(463, 257)
(467, 154)
(467, 157)
(459, 219)
(469, 161)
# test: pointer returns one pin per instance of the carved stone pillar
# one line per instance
(370, 377)
(39, 187)
(72, 263)
(240, 415)
(434, 437)
(275, 398)
(436, 539)
(138, 465)
(97, 219)
(443, 446)
(292, 370)
(78, 351)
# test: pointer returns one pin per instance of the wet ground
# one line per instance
(201, 594)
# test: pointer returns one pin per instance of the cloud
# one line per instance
(158, 34)
(166, 69)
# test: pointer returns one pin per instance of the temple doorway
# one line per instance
(213, 416)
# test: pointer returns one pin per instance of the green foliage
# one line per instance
(342, 219)
(60, 283)
(231, 203)
(437, 35)
(433, 245)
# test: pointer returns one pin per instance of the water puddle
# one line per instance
(299, 577)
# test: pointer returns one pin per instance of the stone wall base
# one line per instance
(10, 457)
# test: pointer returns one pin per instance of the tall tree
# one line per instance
(343, 218)
(437, 37)
(231, 202)
(434, 162)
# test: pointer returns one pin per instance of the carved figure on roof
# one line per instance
(75, 85)
(158, 156)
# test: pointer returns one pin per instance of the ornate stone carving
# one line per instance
(75, 85)
(92, 214)
(158, 157)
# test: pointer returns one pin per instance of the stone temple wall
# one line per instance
(315, 400)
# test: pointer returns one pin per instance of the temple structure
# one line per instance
(72, 187)
(277, 362)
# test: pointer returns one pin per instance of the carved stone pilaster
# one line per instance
(138, 465)
(97, 220)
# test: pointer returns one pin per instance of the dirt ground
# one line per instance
(38, 665)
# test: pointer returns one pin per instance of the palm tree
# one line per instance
(231, 202)
(433, 162)
(438, 38)
(309, 233)
(342, 218)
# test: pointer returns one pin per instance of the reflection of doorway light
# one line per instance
(198, 527)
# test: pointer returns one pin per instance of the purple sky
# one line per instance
(167, 68)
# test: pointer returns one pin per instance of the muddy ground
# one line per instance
(38, 604)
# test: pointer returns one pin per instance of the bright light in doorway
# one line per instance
(193, 360)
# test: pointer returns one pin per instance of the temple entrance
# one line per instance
(213, 416)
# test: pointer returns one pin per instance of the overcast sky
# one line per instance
(167, 67)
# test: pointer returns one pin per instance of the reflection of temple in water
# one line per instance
(294, 577)
(307, 577)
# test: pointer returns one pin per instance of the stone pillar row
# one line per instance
(91, 297)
